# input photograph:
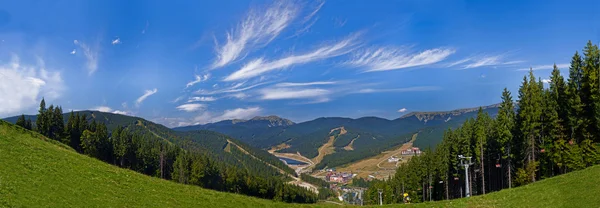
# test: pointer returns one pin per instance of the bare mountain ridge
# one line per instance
(445, 115)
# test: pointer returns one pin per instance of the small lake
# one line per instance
(291, 161)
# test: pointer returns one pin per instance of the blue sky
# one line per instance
(189, 62)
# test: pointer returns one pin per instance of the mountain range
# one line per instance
(350, 139)
(362, 137)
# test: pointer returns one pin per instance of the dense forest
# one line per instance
(137, 148)
(548, 131)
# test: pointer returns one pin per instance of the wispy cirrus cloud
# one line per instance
(197, 80)
(191, 107)
(309, 20)
(483, 61)
(146, 94)
(258, 28)
(545, 67)
(392, 58)
(301, 84)
(91, 55)
(202, 99)
(406, 89)
(260, 66)
(116, 41)
(402, 110)
(233, 89)
(546, 81)
(293, 93)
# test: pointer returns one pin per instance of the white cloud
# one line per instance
(546, 81)
(73, 51)
(210, 117)
(202, 99)
(402, 110)
(22, 86)
(102, 108)
(90, 54)
(178, 99)
(260, 66)
(233, 89)
(107, 109)
(482, 61)
(293, 84)
(407, 89)
(388, 58)
(287, 93)
(116, 41)
(146, 27)
(124, 104)
(546, 67)
(237, 113)
(191, 107)
(198, 80)
(144, 96)
(308, 21)
(239, 95)
(173, 122)
(122, 112)
(258, 29)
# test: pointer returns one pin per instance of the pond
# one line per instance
(291, 161)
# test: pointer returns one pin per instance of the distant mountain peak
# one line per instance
(234, 121)
(274, 120)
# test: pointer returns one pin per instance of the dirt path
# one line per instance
(372, 165)
(279, 147)
(328, 148)
(349, 146)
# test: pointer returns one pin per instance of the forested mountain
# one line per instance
(205, 158)
(369, 135)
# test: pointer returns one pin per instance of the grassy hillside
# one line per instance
(38, 172)
(208, 142)
(575, 189)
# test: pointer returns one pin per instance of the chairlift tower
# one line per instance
(466, 162)
(380, 198)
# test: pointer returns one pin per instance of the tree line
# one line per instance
(548, 131)
(135, 148)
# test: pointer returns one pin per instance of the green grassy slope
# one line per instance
(36, 172)
(575, 189)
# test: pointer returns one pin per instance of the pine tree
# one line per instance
(58, 125)
(28, 124)
(480, 143)
(574, 102)
(504, 130)
(40, 123)
(590, 95)
(21, 121)
(558, 89)
(529, 114)
(121, 139)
